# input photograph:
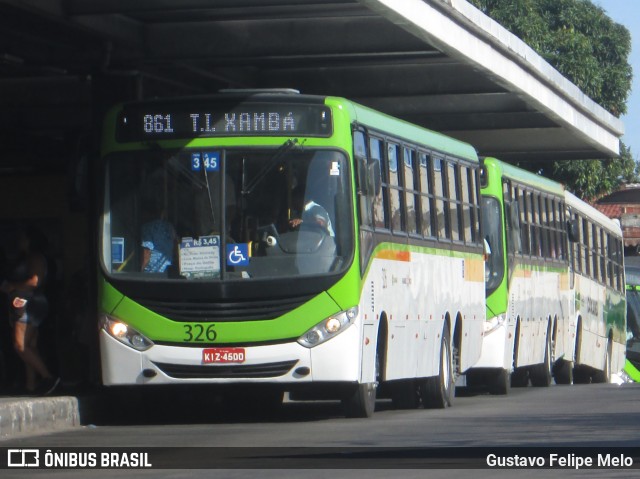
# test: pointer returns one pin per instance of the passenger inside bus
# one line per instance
(158, 241)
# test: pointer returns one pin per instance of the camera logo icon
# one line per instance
(23, 458)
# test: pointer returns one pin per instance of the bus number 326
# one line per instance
(199, 333)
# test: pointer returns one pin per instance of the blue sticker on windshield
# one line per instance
(211, 160)
(238, 254)
(117, 250)
(196, 162)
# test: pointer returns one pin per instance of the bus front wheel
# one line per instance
(500, 382)
(361, 400)
(563, 372)
(604, 376)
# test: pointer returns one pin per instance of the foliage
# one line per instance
(580, 175)
(591, 50)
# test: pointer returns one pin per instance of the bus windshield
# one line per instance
(227, 214)
(633, 307)
(492, 220)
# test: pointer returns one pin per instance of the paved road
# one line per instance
(595, 416)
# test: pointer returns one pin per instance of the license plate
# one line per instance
(223, 355)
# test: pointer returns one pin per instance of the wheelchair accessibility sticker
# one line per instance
(238, 254)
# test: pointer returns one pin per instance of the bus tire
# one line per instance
(604, 376)
(581, 375)
(405, 394)
(520, 378)
(563, 372)
(437, 392)
(360, 402)
(500, 382)
(540, 374)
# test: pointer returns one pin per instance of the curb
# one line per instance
(24, 416)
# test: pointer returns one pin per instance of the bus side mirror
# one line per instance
(572, 230)
(361, 163)
(487, 250)
(362, 175)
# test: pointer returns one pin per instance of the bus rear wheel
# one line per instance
(540, 374)
(563, 372)
(500, 383)
(438, 391)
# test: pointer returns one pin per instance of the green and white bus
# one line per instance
(597, 263)
(632, 277)
(550, 313)
(316, 247)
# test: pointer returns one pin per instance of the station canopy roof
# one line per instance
(438, 63)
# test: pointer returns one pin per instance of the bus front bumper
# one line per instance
(497, 345)
(336, 360)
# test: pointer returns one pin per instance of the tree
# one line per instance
(592, 179)
(578, 39)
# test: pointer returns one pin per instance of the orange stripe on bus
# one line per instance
(394, 255)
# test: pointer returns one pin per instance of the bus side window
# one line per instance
(427, 206)
(380, 217)
(595, 252)
(362, 162)
(573, 234)
(360, 159)
(467, 202)
(453, 188)
(609, 254)
(536, 247)
(558, 228)
(619, 269)
(442, 213)
(411, 200)
(395, 198)
(474, 198)
(585, 241)
(604, 258)
(524, 224)
(544, 227)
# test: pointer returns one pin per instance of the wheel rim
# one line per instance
(547, 355)
(446, 366)
(447, 374)
(371, 387)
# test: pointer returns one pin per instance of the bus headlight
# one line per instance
(125, 334)
(328, 328)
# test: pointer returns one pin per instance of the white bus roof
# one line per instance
(589, 211)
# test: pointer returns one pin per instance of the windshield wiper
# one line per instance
(269, 165)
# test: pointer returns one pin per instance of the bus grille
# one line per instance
(204, 311)
(270, 370)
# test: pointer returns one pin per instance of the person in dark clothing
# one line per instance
(28, 307)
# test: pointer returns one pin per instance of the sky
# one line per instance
(627, 13)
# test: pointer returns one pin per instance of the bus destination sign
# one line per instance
(140, 122)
